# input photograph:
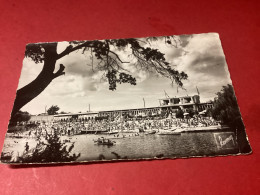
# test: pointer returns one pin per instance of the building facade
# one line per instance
(167, 106)
(80, 116)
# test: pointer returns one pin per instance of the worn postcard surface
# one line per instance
(124, 99)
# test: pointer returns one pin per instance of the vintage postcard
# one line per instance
(124, 99)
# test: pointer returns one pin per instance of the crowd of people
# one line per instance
(75, 126)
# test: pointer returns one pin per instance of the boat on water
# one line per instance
(204, 128)
(112, 132)
(104, 141)
(18, 136)
(169, 128)
(168, 132)
(117, 136)
(131, 131)
(150, 132)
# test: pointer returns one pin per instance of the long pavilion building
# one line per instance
(168, 105)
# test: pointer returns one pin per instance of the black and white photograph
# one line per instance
(162, 97)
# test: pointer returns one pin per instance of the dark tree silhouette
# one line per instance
(109, 62)
(21, 116)
(226, 109)
(62, 112)
(225, 105)
(51, 151)
(53, 110)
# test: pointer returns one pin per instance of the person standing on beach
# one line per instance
(26, 147)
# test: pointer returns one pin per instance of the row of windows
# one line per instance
(71, 118)
(132, 112)
(205, 106)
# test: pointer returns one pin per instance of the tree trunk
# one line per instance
(33, 89)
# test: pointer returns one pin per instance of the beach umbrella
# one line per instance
(202, 112)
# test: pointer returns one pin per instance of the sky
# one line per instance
(200, 56)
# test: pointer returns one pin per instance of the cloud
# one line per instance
(205, 64)
(89, 85)
(77, 64)
(200, 56)
(184, 40)
(29, 72)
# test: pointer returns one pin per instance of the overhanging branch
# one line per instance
(70, 48)
(118, 57)
(60, 71)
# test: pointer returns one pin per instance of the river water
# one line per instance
(137, 147)
(150, 146)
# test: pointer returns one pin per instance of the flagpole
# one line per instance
(197, 90)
